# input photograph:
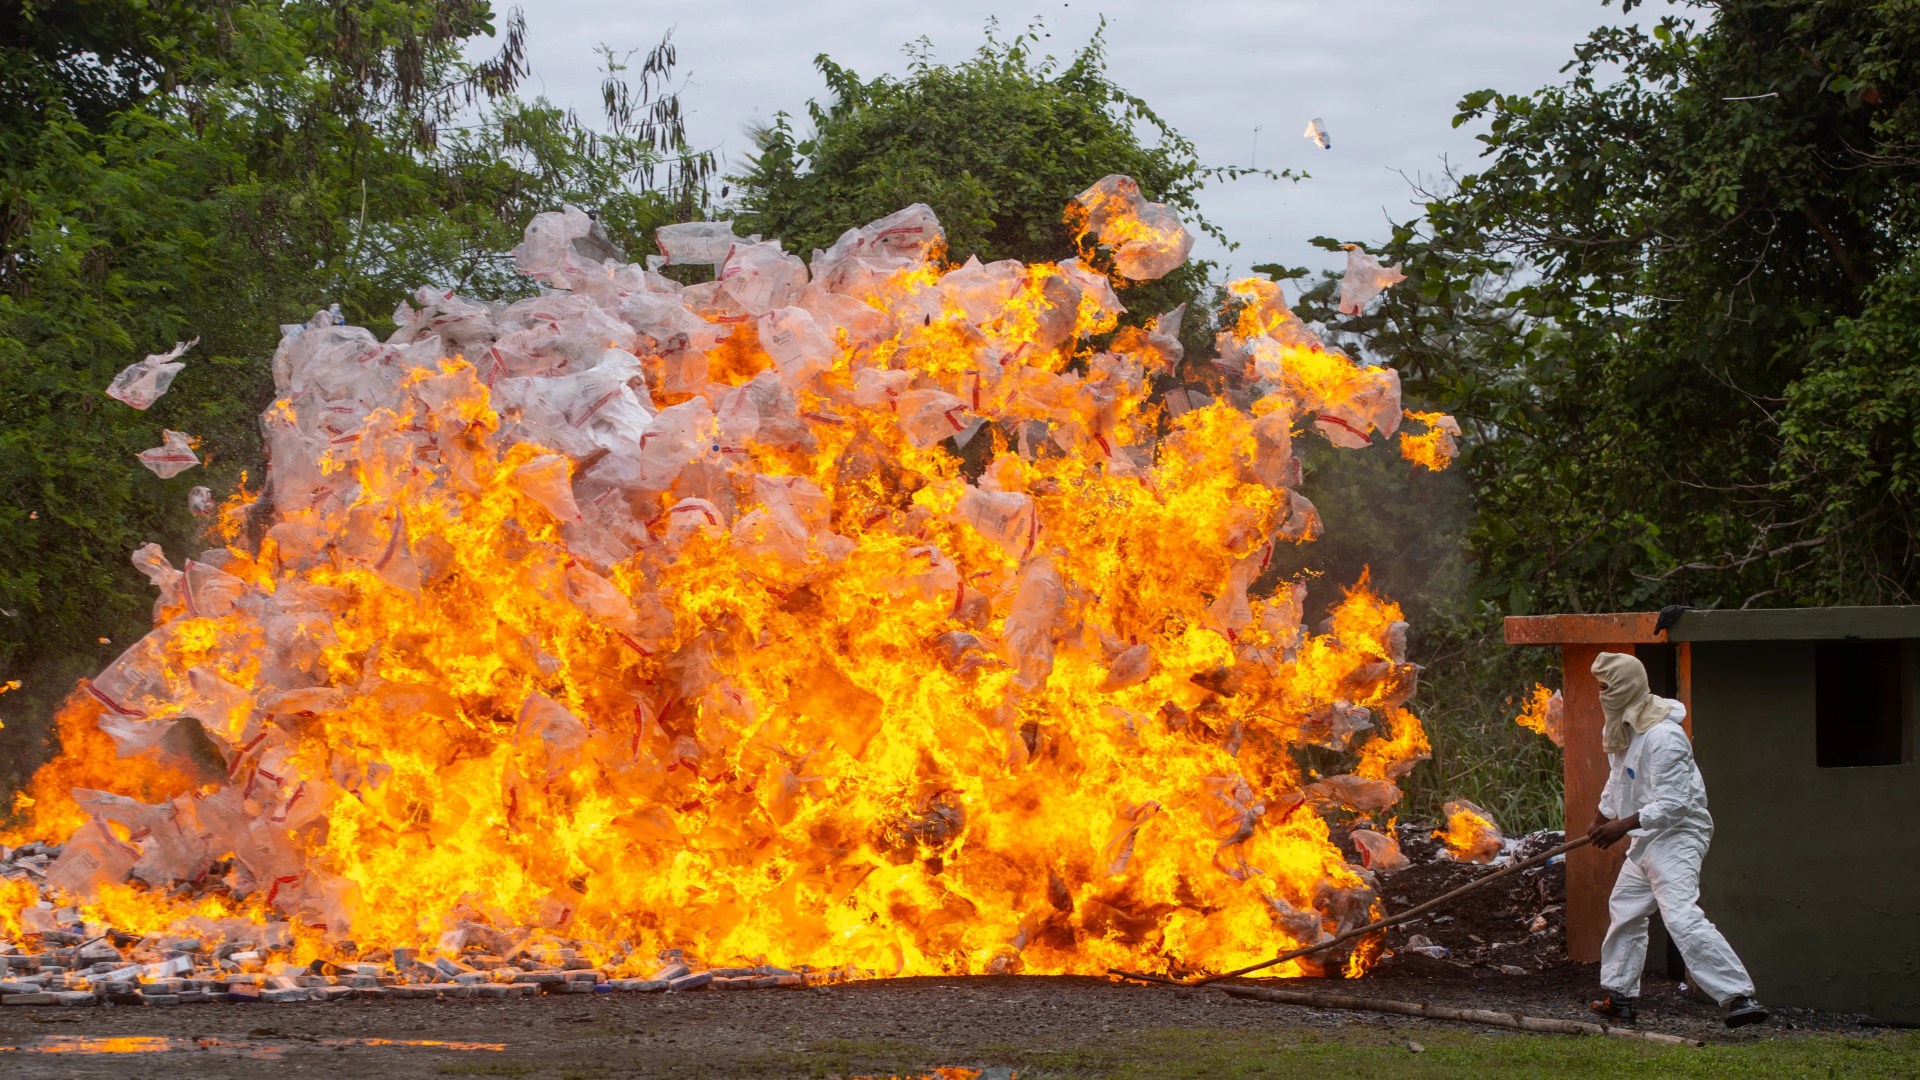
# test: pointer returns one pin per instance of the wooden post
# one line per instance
(1590, 871)
(1683, 676)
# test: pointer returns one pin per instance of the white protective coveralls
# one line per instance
(1656, 778)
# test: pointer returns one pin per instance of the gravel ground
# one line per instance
(1496, 958)
(829, 1031)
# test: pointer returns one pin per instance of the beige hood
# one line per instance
(1625, 700)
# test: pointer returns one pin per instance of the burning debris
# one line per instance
(1545, 714)
(1514, 929)
(1435, 447)
(1147, 239)
(1470, 834)
(573, 639)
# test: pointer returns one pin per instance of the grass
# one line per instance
(1360, 1053)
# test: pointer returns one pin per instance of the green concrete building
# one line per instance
(1803, 726)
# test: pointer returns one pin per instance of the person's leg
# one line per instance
(1623, 953)
(1673, 868)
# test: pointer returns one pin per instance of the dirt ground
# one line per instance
(1497, 958)
(837, 1031)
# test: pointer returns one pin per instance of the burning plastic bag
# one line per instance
(135, 684)
(1039, 601)
(1005, 517)
(1365, 279)
(1545, 712)
(783, 527)
(548, 480)
(1359, 793)
(1435, 447)
(1147, 238)
(799, 348)
(1132, 666)
(927, 416)
(1470, 834)
(1378, 852)
(140, 384)
(550, 736)
(92, 857)
(982, 291)
(172, 457)
(209, 591)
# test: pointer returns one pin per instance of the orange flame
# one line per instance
(1470, 835)
(1435, 447)
(706, 641)
(1544, 714)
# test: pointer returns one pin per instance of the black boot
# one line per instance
(1615, 1007)
(1743, 1010)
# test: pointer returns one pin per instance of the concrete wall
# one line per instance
(1814, 874)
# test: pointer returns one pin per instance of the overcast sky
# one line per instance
(1384, 75)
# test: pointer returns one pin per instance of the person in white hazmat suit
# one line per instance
(1654, 795)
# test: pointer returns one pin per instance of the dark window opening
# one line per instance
(1663, 668)
(1863, 703)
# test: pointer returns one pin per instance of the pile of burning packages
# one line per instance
(876, 613)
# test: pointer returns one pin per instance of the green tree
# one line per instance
(996, 145)
(171, 170)
(1690, 361)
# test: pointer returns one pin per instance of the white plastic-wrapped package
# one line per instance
(927, 416)
(172, 457)
(1470, 834)
(703, 243)
(799, 348)
(140, 384)
(761, 277)
(548, 481)
(549, 734)
(1378, 851)
(151, 561)
(93, 857)
(1365, 279)
(547, 253)
(982, 291)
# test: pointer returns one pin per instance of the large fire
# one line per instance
(640, 616)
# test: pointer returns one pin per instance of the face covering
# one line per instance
(1625, 701)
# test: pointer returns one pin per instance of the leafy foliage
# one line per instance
(995, 145)
(174, 169)
(1673, 309)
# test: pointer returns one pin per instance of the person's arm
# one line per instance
(1609, 834)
